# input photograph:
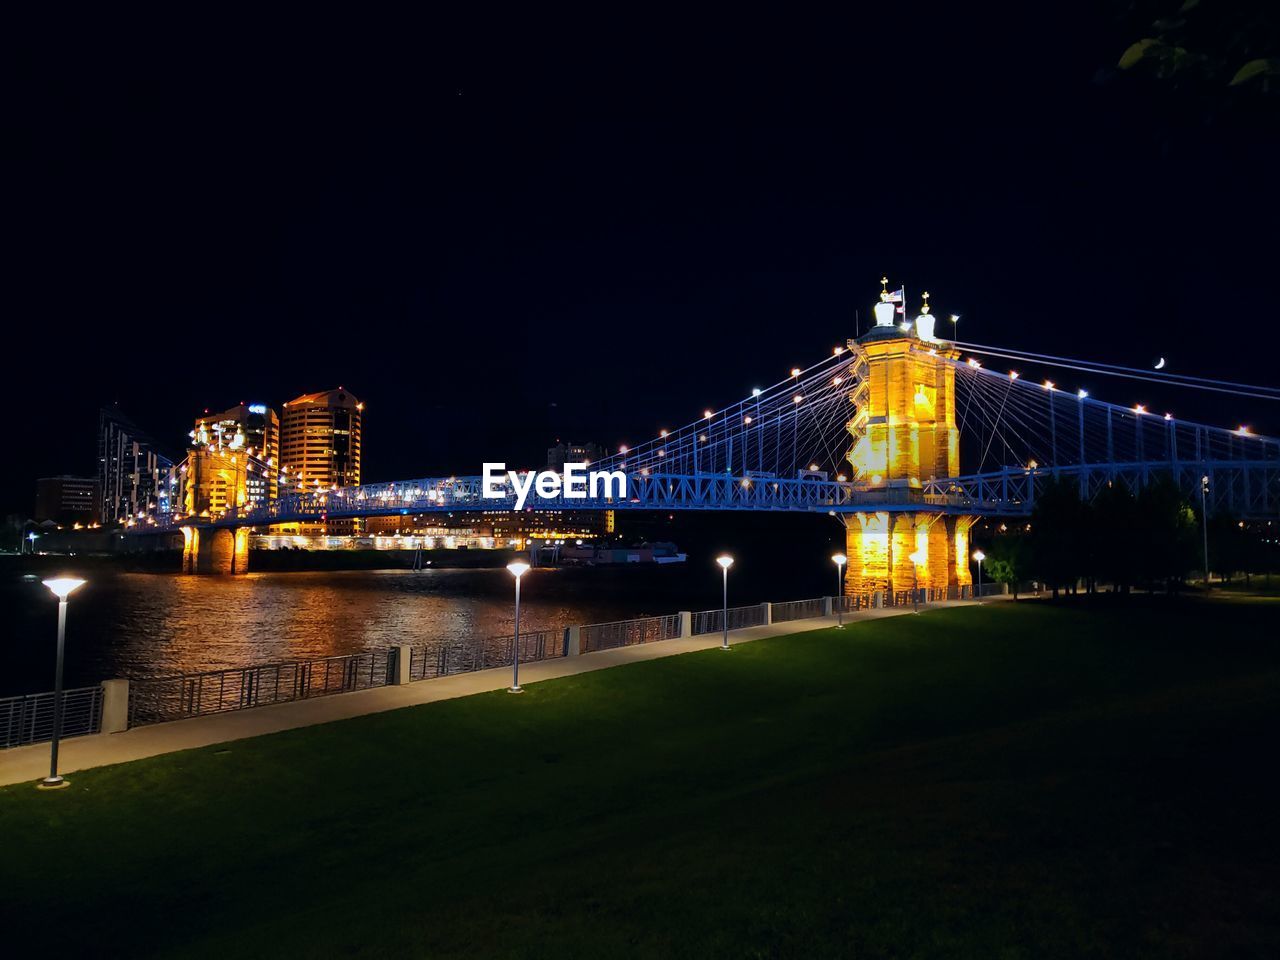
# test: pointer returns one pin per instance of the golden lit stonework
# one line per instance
(903, 432)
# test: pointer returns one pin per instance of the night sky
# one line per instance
(592, 231)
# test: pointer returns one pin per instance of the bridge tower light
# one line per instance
(884, 310)
(925, 322)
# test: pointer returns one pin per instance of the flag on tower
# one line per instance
(897, 296)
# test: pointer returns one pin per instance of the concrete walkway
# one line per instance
(31, 763)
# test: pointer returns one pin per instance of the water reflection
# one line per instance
(139, 625)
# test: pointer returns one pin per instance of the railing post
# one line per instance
(572, 641)
(768, 614)
(686, 623)
(827, 605)
(403, 654)
(115, 706)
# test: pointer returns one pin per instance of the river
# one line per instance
(151, 624)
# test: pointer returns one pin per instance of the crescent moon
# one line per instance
(1160, 365)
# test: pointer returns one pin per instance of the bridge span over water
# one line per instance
(873, 434)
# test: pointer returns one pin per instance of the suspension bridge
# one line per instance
(873, 433)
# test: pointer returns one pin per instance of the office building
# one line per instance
(320, 449)
(67, 500)
(133, 474)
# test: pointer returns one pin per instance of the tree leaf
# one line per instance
(1255, 68)
(1136, 52)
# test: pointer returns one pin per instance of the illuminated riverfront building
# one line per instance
(496, 528)
(67, 499)
(320, 449)
(133, 475)
(904, 431)
(251, 431)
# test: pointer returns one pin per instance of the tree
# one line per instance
(1114, 537)
(1057, 532)
(1165, 528)
(1007, 561)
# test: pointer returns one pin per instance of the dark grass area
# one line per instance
(1022, 780)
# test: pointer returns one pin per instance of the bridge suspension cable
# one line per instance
(778, 431)
(1255, 391)
(1022, 422)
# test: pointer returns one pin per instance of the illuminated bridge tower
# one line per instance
(904, 432)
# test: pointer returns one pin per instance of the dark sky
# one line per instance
(593, 230)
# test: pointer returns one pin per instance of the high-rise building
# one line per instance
(249, 430)
(67, 499)
(133, 475)
(564, 452)
(320, 449)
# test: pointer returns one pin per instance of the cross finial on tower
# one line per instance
(925, 308)
(884, 288)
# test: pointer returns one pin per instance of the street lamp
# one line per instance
(31, 538)
(61, 588)
(518, 569)
(1204, 526)
(725, 562)
(839, 560)
(916, 559)
(979, 556)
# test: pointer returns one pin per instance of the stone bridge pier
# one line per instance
(219, 550)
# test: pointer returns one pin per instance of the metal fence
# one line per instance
(626, 633)
(799, 610)
(712, 621)
(29, 718)
(448, 657)
(218, 691)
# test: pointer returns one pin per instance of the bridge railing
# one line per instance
(712, 621)
(29, 718)
(626, 633)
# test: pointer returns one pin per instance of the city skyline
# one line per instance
(459, 270)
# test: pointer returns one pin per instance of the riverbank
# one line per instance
(1014, 780)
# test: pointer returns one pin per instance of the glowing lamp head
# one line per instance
(1082, 394)
(839, 559)
(979, 555)
(708, 414)
(725, 561)
(518, 568)
(63, 587)
(795, 371)
(756, 391)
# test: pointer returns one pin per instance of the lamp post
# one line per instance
(979, 556)
(916, 559)
(61, 588)
(839, 560)
(725, 562)
(1204, 526)
(518, 569)
(31, 539)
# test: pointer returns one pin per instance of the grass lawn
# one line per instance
(1020, 780)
